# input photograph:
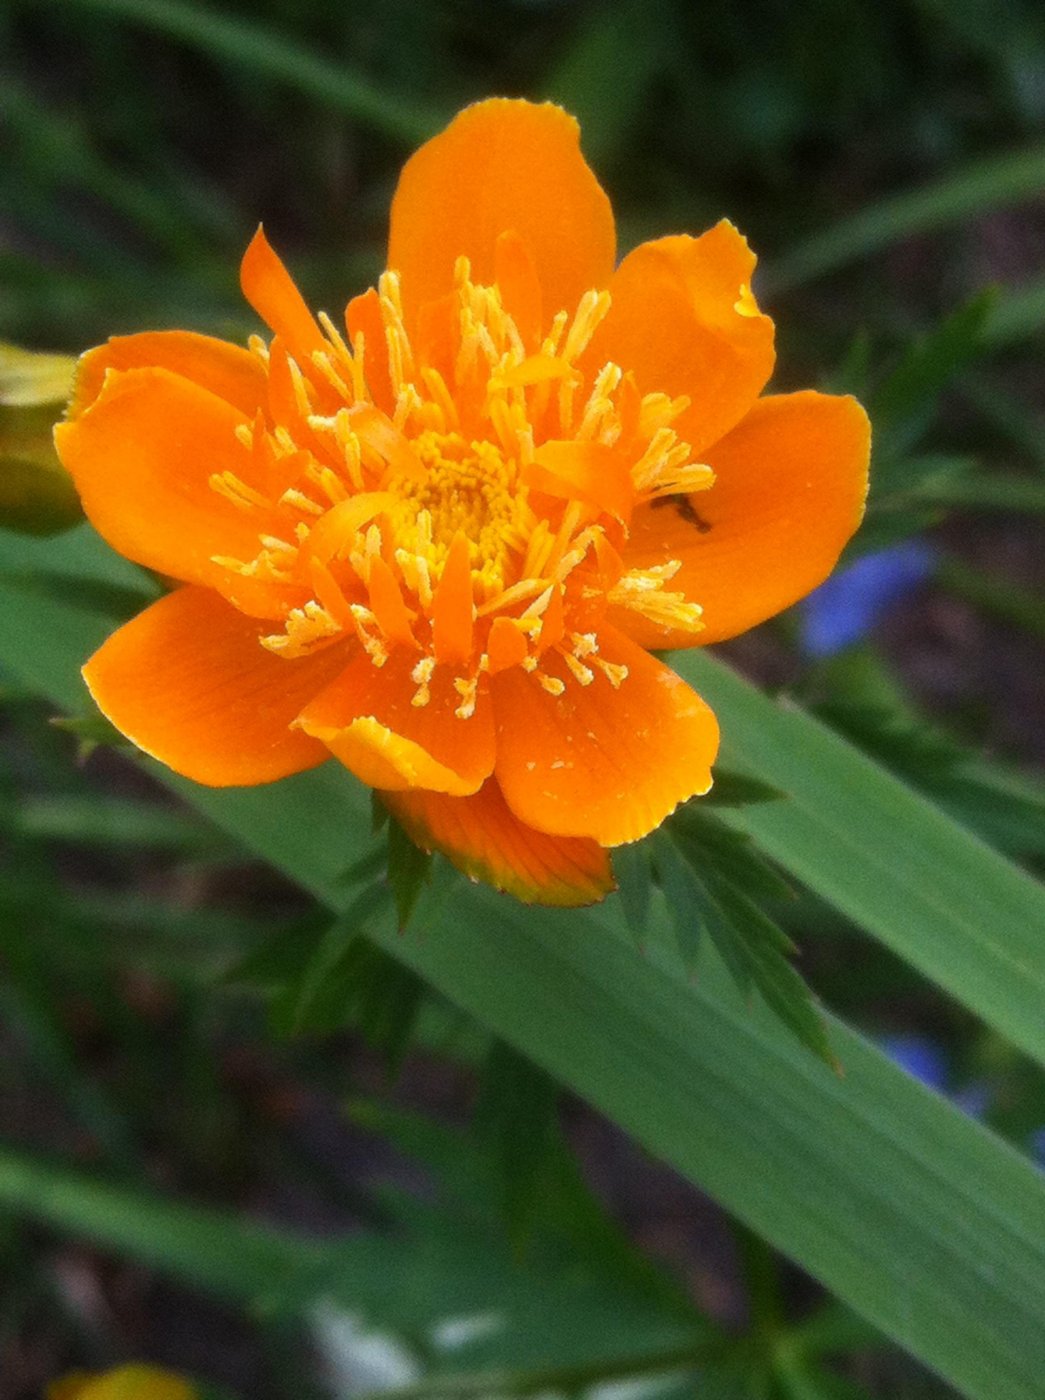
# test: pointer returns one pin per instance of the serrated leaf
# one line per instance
(408, 870)
(765, 948)
(685, 896)
(709, 878)
(712, 846)
(346, 979)
(631, 869)
(322, 975)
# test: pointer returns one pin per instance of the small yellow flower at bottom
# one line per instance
(131, 1382)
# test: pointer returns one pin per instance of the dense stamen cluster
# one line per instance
(454, 492)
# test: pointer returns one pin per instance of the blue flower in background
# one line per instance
(925, 1059)
(921, 1057)
(1037, 1146)
(853, 600)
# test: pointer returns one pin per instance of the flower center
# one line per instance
(460, 492)
(468, 488)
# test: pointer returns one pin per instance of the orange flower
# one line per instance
(125, 1383)
(439, 542)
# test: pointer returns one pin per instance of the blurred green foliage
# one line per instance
(183, 1028)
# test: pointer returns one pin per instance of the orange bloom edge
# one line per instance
(440, 541)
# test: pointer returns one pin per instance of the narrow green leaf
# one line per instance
(246, 44)
(995, 491)
(439, 1263)
(103, 821)
(227, 1255)
(988, 184)
(605, 95)
(1018, 313)
(886, 857)
(902, 407)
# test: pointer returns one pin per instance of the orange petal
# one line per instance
(368, 720)
(585, 471)
(684, 321)
(789, 492)
(482, 837)
(363, 318)
(142, 456)
(272, 292)
(516, 275)
(189, 682)
(453, 606)
(502, 166)
(229, 371)
(596, 761)
(506, 645)
(386, 603)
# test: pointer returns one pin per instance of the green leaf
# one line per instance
(259, 50)
(981, 186)
(335, 976)
(731, 855)
(986, 491)
(1005, 809)
(517, 1118)
(92, 732)
(631, 869)
(1018, 314)
(103, 821)
(902, 407)
(710, 876)
(689, 906)
(914, 1215)
(885, 857)
(408, 870)
(226, 1255)
(440, 1263)
(739, 790)
(605, 95)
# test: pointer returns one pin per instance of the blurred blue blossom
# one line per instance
(920, 1057)
(852, 601)
(926, 1059)
(1037, 1146)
